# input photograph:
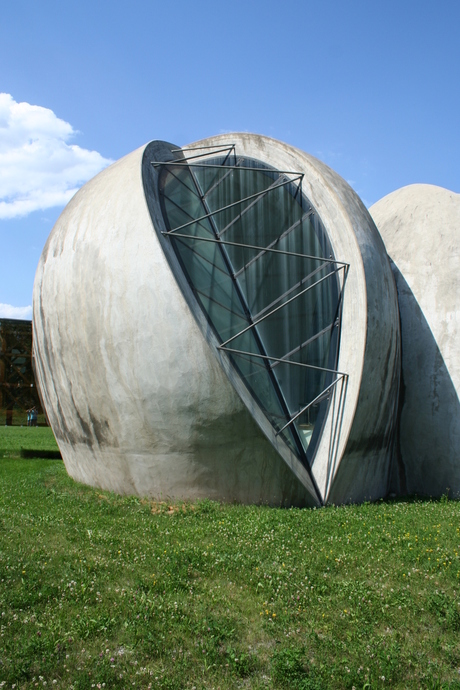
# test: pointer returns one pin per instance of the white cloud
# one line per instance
(39, 168)
(7, 311)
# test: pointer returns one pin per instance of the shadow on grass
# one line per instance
(419, 498)
(41, 454)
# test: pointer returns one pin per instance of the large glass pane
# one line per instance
(209, 277)
(302, 315)
(267, 217)
(182, 201)
(259, 380)
(211, 176)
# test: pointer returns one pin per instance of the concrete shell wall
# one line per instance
(420, 225)
(138, 398)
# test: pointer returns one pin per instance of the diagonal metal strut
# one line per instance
(281, 306)
(255, 246)
(234, 203)
(283, 361)
(304, 409)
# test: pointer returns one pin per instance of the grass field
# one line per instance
(99, 590)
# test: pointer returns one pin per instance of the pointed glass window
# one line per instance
(261, 267)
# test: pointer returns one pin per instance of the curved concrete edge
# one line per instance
(365, 469)
(352, 463)
(136, 399)
(420, 227)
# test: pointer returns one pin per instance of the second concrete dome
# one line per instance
(420, 225)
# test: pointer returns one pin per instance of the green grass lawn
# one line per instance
(99, 590)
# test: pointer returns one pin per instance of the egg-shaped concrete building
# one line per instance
(220, 320)
(420, 225)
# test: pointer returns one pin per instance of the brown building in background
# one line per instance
(18, 391)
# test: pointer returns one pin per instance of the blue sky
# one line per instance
(371, 88)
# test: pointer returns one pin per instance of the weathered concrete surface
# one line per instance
(137, 400)
(420, 225)
(353, 459)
